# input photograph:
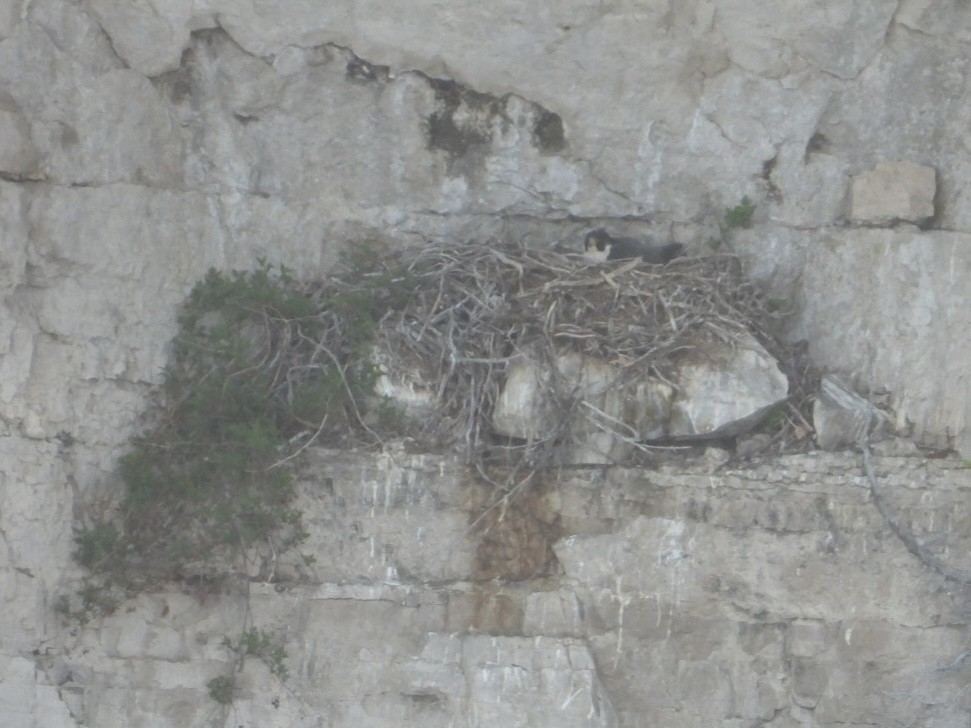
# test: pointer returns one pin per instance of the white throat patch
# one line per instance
(592, 254)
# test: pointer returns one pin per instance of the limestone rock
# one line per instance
(815, 185)
(371, 523)
(554, 614)
(526, 410)
(809, 638)
(405, 387)
(144, 145)
(300, 127)
(732, 574)
(19, 157)
(513, 681)
(727, 391)
(841, 417)
(723, 392)
(893, 192)
(885, 112)
(27, 539)
(886, 306)
(15, 231)
(148, 34)
(27, 703)
(9, 17)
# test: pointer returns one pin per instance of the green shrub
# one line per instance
(740, 216)
(94, 545)
(94, 598)
(259, 361)
(257, 643)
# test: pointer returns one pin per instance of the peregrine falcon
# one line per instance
(600, 246)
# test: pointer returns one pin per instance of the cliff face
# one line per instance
(774, 595)
(142, 143)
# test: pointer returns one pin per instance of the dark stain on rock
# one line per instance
(772, 189)
(699, 511)
(548, 135)
(768, 166)
(177, 84)
(69, 135)
(496, 613)
(424, 698)
(463, 119)
(360, 71)
(817, 143)
(516, 541)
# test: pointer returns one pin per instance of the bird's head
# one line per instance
(596, 245)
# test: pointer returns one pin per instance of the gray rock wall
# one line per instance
(141, 143)
(775, 595)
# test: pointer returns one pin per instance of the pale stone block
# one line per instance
(884, 287)
(893, 192)
(724, 394)
(517, 681)
(553, 613)
(25, 703)
(808, 638)
(809, 680)
(18, 156)
(149, 35)
(841, 417)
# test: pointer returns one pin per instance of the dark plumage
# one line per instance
(600, 246)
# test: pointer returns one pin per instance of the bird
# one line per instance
(600, 246)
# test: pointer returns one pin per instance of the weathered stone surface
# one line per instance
(374, 522)
(26, 702)
(809, 638)
(513, 681)
(149, 34)
(811, 187)
(9, 17)
(842, 418)
(553, 613)
(35, 521)
(727, 390)
(526, 408)
(119, 131)
(893, 192)
(883, 308)
(18, 156)
(286, 130)
(723, 391)
(717, 607)
(648, 593)
(883, 113)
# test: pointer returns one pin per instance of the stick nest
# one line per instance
(470, 310)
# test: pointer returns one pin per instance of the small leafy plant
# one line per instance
(252, 643)
(740, 216)
(260, 644)
(92, 599)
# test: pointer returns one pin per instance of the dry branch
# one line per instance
(474, 308)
